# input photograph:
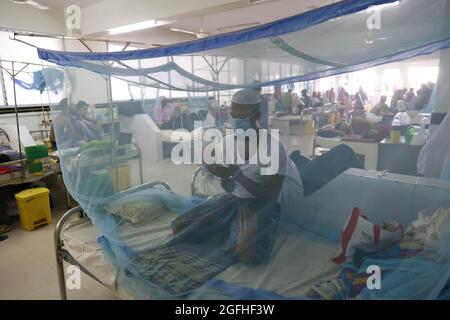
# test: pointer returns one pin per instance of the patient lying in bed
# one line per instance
(6, 151)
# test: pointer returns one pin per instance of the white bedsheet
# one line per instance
(80, 239)
(299, 260)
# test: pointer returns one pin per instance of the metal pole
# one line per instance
(17, 120)
(113, 136)
(58, 254)
(2, 84)
(141, 174)
(43, 115)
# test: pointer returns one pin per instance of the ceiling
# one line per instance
(212, 16)
(262, 13)
(219, 20)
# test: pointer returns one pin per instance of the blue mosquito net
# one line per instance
(134, 128)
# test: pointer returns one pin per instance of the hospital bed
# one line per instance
(367, 150)
(76, 243)
(20, 174)
(303, 256)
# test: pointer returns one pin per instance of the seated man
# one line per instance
(89, 127)
(64, 125)
(381, 108)
(260, 192)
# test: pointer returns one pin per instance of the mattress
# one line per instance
(299, 260)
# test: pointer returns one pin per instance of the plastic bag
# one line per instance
(361, 233)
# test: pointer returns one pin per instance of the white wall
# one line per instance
(443, 84)
(85, 85)
(32, 120)
(23, 17)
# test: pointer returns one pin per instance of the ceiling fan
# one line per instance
(202, 34)
(31, 3)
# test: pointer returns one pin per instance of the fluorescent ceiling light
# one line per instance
(258, 1)
(385, 5)
(380, 7)
(136, 26)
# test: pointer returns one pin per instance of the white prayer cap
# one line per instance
(246, 97)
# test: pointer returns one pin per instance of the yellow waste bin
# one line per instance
(34, 208)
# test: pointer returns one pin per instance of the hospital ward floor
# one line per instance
(27, 258)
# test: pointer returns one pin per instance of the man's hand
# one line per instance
(222, 171)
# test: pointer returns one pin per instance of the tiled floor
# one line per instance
(27, 258)
(28, 266)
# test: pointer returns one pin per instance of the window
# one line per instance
(15, 51)
(419, 75)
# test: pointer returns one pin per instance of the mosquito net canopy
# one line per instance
(176, 224)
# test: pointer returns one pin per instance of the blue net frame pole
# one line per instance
(113, 137)
(17, 116)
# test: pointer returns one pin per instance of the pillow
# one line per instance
(137, 210)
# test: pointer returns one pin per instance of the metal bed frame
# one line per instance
(62, 254)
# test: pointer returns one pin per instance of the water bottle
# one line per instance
(425, 127)
(409, 134)
(395, 131)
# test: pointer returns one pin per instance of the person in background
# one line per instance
(306, 99)
(287, 100)
(344, 100)
(423, 96)
(398, 95)
(381, 107)
(409, 96)
(65, 126)
(264, 109)
(326, 97)
(332, 96)
(164, 113)
(319, 97)
(89, 127)
(361, 100)
(59, 120)
(296, 104)
(315, 101)
(277, 92)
